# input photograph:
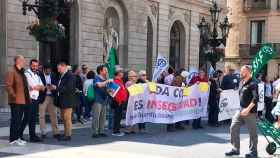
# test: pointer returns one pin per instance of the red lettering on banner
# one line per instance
(169, 106)
(193, 102)
(164, 105)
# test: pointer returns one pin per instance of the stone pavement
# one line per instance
(206, 143)
(4, 117)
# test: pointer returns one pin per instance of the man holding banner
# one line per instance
(248, 114)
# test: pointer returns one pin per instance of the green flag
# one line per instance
(111, 63)
(266, 53)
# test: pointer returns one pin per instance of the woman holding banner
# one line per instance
(177, 82)
(132, 79)
(196, 80)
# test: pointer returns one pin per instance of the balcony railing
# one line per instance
(249, 51)
(256, 5)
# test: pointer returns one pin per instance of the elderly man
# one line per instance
(18, 95)
(66, 98)
(248, 115)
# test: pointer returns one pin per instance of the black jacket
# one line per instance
(43, 94)
(66, 96)
(213, 94)
(230, 82)
(248, 94)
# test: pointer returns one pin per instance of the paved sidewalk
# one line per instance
(206, 143)
(4, 117)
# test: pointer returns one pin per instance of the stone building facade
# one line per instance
(254, 23)
(144, 29)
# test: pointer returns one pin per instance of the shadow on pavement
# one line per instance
(82, 137)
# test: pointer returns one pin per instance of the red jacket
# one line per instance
(122, 96)
(196, 79)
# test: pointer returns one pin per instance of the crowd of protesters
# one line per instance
(80, 95)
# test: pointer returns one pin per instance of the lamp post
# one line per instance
(47, 28)
(209, 35)
(37, 5)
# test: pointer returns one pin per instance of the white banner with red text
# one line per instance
(157, 103)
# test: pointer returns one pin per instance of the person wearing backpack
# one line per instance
(89, 94)
(118, 103)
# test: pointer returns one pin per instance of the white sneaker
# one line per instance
(121, 134)
(22, 141)
(17, 143)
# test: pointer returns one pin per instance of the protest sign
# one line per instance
(261, 96)
(161, 65)
(167, 105)
(229, 104)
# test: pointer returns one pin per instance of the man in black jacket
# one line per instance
(230, 81)
(76, 71)
(66, 98)
(248, 115)
(46, 102)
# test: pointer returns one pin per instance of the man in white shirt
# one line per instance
(35, 85)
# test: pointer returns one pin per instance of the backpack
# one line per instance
(90, 94)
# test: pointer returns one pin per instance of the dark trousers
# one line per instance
(29, 118)
(213, 114)
(117, 117)
(88, 108)
(174, 126)
(141, 126)
(268, 108)
(196, 123)
(79, 107)
(16, 121)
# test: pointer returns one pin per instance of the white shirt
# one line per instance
(33, 80)
(48, 82)
(268, 90)
(88, 82)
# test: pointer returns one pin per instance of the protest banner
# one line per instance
(167, 104)
(261, 96)
(266, 53)
(161, 65)
(229, 104)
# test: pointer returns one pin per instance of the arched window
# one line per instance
(177, 46)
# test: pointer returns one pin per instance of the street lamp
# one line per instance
(47, 27)
(37, 5)
(209, 38)
(204, 28)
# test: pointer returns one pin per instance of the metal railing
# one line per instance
(249, 51)
(256, 5)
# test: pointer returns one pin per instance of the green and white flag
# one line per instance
(111, 62)
(266, 53)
